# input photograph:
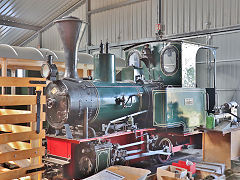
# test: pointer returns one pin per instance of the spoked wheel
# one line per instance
(166, 145)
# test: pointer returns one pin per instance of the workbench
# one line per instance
(221, 147)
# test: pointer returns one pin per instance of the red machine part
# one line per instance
(63, 147)
(66, 148)
(183, 164)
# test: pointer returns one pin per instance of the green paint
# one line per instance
(104, 67)
(103, 159)
(190, 75)
(108, 92)
(127, 73)
(130, 73)
(155, 71)
(175, 107)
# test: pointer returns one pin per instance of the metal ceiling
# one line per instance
(19, 19)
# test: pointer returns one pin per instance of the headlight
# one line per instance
(45, 70)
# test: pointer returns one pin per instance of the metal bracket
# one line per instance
(122, 118)
(68, 131)
(35, 170)
(37, 82)
(57, 132)
(85, 124)
(238, 118)
(38, 111)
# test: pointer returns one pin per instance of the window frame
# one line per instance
(172, 47)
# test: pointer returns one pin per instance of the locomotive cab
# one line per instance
(174, 63)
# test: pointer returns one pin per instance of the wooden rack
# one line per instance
(20, 144)
(83, 70)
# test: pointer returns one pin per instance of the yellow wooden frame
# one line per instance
(9, 63)
(20, 144)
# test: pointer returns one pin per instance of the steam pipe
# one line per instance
(50, 59)
(101, 48)
(106, 49)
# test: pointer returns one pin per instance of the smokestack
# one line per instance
(71, 30)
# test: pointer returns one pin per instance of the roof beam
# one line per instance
(19, 25)
(113, 6)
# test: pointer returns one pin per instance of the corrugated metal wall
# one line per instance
(135, 21)
(182, 16)
(228, 65)
(138, 20)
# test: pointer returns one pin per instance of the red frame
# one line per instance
(64, 147)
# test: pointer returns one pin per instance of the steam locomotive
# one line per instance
(150, 108)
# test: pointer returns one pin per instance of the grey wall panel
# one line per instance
(182, 16)
(225, 96)
(135, 21)
(51, 39)
(228, 65)
(131, 22)
(103, 3)
(228, 44)
(227, 72)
